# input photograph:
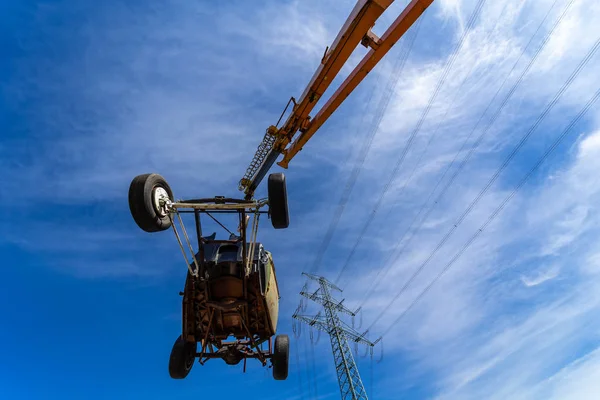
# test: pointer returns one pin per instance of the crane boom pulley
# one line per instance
(356, 30)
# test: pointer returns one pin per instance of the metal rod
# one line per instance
(216, 355)
(210, 318)
(251, 250)
(187, 239)
(218, 222)
(211, 206)
(253, 345)
(244, 249)
(198, 228)
(181, 245)
(214, 200)
(215, 211)
(199, 238)
(284, 110)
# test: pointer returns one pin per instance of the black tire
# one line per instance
(281, 356)
(143, 209)
(183, 356)
(278, 204)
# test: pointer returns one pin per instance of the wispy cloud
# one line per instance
(541, 276)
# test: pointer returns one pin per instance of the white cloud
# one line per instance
(541, 276)
(578, 380)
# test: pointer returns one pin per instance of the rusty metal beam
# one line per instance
(407, 18)
(353, 32)
(357, 25)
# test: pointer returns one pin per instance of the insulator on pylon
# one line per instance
(360, 321)
(367, 351)
(381, 358)
(365, 337)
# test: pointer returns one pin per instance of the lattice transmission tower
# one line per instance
(351, 386)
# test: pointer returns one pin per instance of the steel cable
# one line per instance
(365, 147)
(477, 142)
(413, 134)
(525, 137)
(312, 356)
(301, 387)
(499, 209)
(457, 92)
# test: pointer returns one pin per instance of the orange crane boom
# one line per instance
(356, 30)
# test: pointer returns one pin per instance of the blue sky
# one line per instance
(94, 93)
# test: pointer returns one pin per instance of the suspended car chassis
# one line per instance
(231, 287)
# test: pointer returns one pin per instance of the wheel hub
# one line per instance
(160, 194)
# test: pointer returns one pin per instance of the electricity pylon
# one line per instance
(351, 386)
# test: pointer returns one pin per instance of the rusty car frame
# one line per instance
(231, 286)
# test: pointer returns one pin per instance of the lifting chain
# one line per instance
(263, 150)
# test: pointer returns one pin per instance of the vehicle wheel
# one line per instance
(183, 355)
(278, 204)
(144, 194)
(281, 355)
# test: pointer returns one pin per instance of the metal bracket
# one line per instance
(371, 40)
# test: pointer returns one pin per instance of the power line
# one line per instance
(497, 211)
(372, 379)
(300, 386)
(479, 139)
(366, 146)
(457, 92)
(312, 356)
(309, 371)
(524, 138)
(400, 161)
